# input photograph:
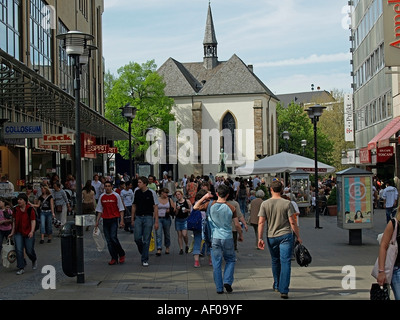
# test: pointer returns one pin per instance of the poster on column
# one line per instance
(357, 202)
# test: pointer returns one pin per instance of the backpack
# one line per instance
(207, 233)
(303, 257)
(194, 221)
(242, 193)
(37, 218)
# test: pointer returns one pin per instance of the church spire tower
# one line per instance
(210, 43)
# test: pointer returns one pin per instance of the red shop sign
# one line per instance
(384, 154)
(365, 155)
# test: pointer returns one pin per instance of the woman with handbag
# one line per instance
(46, 205)
(166, 209)
(383, 250)
(61, 202)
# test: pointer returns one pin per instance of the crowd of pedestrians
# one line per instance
(149, 208)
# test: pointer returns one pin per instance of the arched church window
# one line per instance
(228, 134)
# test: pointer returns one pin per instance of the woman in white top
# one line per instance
(166, 209)
(127, 199)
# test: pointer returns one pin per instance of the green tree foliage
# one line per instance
(143, 88)
(295, 120)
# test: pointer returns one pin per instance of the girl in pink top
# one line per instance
(5, 221)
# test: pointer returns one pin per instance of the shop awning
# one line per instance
(23, 89)
(382, 138)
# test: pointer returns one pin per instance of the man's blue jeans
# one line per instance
(142, 232)
(22, 243)
(164, 226)
(196, 242)
(110, 230)
(280, 249)
(223, 248)
(243, 206)
(389, 215)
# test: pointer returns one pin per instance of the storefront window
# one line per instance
(10, 37)
(40, 46)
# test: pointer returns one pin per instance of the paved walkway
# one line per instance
(173, 277)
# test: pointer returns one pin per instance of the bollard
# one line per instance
(68, 249)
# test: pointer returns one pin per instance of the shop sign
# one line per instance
(348, 118)
(320, 170)
(384, 154)
(65, 149)
(87, 141)
(58, 139)
(365, 155)
(24, 130)
(391, 16)
(101, 149)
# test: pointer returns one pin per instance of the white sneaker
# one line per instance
(34, 265)
(20, 271)
(145, 264)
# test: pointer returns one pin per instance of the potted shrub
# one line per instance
(332, 202)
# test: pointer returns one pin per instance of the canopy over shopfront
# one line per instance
(283, 162)
(23, 89)
(382, 139)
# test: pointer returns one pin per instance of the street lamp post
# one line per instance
(303, 145)
(129, 113)
(314, 113)
(286, 137)
(76, 46)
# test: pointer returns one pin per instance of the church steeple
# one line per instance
(210, 43)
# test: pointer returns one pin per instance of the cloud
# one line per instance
(302, 82)
(291, 43)
(312, 59)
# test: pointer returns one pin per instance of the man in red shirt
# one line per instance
(23, 230)
(111, 209)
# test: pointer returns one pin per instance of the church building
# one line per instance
(223, 111)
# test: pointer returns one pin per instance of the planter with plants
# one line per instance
(332, 202)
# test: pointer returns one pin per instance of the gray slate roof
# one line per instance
(305, 97)
(227, 78)
(209, 36)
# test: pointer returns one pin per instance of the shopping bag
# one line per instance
(98, 239)
(152, 243)
(391, 255)
(9, 255)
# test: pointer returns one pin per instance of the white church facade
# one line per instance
(219, 105)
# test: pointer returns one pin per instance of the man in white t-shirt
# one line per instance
(389, 196)
(96, 184)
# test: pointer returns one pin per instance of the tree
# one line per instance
(295, 120)
(143, 88)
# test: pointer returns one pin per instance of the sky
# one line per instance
(291, 44)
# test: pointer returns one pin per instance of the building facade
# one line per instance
(375, 88)
(36, 85)
(224, 105)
